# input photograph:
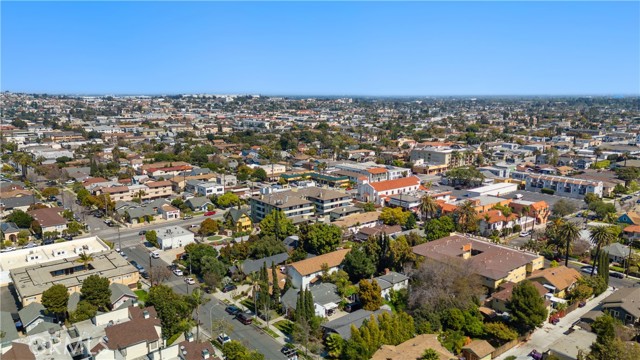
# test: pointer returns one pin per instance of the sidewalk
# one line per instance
(543, 337)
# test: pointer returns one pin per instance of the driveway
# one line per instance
(543, 337)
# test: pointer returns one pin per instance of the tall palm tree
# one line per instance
(568, 232)
(85, 259)
(428, 206)
(601, 236)
(140, 194)
(525, 212)
(466, 217)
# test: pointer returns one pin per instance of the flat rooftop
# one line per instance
(33, 280)
(172, 231)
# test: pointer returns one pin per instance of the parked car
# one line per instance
(525, 233)
(190, 281)
(47, 242)
(178, 272)
(187, 217)
(8, 248)
(353, 307)
(209, 213)
(244, 318)
(616, 274)
(223, 338)
(142, 232)
(536, 355)
(155, 255)
(587, 270)
(229, 287)
(232, 310)
(288, 351)
(68, 237)
(134, 263)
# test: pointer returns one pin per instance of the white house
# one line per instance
(172, 237)
(392, 281)
(209, 188)
(377, 192)
(305, 272)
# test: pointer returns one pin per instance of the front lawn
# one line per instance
(143, 296)
(248, 303)
(285, 326)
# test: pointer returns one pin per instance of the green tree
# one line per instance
(320, 238)
(234, 350)
(209, 227)
(283, 229)
(590, 197)
(152, 237)
(228, 199)
(628, 174)
(430, 354)
(568, 233)
(428, 207)
(526, 307)
(275, 292)
(466, 218)
(84, 311)
(20, 218)
(85, 259)
(96, 291)
(358, 265)
(601, 236)
(500, 331)
(50, 191)
(465, 176)
(335, 345)
(563, 208)
(265, 246)
(438, 228)
(259, 174)
(368, 207)
(369, 294)
(394, 216)
(74, 227)
(411, 221)
(55, 299)
(196, 253)
(172, 309)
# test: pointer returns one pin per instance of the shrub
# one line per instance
(547, 191)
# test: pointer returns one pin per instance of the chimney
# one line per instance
(386, 271)
(205, 354)
(466, 251)
(145, 314)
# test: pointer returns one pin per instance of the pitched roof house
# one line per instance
(413, 349)
(559, 280)
(305, 272)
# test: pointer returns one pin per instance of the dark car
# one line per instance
(142, 232)
(134, 263)
(289, 352)
(48, 242)
(232, 310)
(52, 198)
(68, 237)
(229, 287)
(244, 318)
(353, 307)
(616, 274)
(145, 275)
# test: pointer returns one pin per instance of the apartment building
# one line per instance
(209, 188)
(149, 191)
(302, 203)
(494, 263)
(445, 157)
(564, 186)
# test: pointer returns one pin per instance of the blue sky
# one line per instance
(330, 48)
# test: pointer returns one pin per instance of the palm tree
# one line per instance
(467, 218)
(525, 212)
(428, 206)
(140, 194)
(597, 152)
(568, 232)
(601, 236)
(24, 160)
(85, 259)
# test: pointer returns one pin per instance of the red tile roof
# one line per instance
(377, 170)
(395, 184)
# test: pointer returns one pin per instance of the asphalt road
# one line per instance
(249, 335)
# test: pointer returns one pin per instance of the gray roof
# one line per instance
(625, 298)
(18, 201)
(8, 327)
(120, 290)
(30, 313)
(391, 278)
(342, 325)
(617, 249)
(237, 213)
(197, 202)
(44, 326)
(74, 299)
(323, 294)
(9, 227)
(250, 266)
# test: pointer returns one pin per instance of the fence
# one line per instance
(505, 347)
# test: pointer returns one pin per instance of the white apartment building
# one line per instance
(209, 188)
(564, 186)
(380, 191)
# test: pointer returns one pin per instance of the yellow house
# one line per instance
(478, 350)
(238, 219)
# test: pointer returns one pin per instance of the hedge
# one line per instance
(547, 191)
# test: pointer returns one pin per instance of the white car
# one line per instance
(178, 272)
(190, 281)
(117, 249)
(155, 255)
(525, 233)
(223, 338)
(7, 249)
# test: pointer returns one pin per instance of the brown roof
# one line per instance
(489, 260)
(132, 332)
(413, 349)
(353, 219)
(114, 189)
(561, 276)
(632, 229)
(48, 216)
(314, 264)
(480, 347)
(19, 351)
(194, 349)
(507, 289)
(378, 229)
(377, 170)
(155, 184)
